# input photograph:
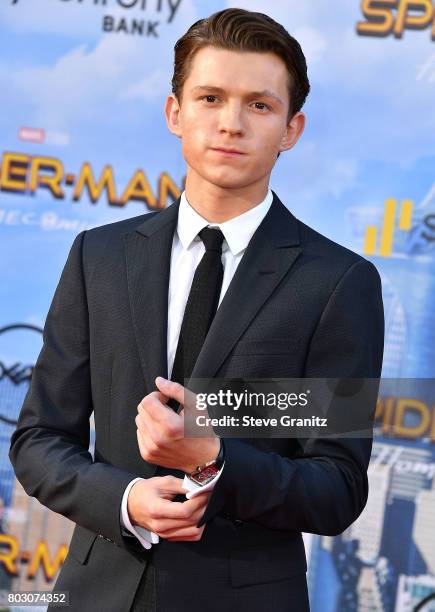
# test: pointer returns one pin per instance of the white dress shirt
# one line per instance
(187, 252)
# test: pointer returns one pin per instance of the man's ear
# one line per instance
(293, 132)
(172, 114)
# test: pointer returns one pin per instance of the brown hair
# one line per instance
(241, 30)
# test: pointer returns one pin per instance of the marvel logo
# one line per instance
(31, 134)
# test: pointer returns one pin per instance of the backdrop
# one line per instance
(83, 142)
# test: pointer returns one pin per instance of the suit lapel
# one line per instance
(270, 254)
(148, 259)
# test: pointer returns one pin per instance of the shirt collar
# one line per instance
(237, 231)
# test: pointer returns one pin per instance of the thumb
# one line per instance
(170, 388)
(171, 485)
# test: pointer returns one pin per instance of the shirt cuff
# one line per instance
(146, 538)
(193, 489)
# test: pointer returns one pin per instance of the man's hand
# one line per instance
(149, 505)
(160, 431)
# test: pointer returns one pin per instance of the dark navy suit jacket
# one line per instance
(299, 305)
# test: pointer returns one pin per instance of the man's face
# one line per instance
(238, 101)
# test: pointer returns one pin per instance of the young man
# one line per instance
(137, 304)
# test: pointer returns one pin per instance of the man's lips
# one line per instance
(227, 151)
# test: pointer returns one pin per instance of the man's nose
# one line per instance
(231, 118)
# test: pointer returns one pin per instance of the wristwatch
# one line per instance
(203, 474)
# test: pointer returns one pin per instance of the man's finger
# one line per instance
(154, 395)
(164, 524)
(183, 533)
(171, 389)
(153, 408)
(165, 508)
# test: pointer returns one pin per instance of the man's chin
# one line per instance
(227, 180)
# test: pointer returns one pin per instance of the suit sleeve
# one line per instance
(324, 488)
(49, 448)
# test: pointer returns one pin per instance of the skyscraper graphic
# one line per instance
(368, 528)
(394, 537)
(424, 526)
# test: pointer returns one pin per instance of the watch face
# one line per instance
(205, 475)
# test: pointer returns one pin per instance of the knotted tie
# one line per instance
(201, 305)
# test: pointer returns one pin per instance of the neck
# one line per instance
(217, 204)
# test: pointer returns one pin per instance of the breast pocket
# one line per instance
(274, 346)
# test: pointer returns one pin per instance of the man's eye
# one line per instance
(209, 98)
(265, 106)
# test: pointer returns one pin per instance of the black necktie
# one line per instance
(201, 305)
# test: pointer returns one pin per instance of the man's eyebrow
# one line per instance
(266, 93)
